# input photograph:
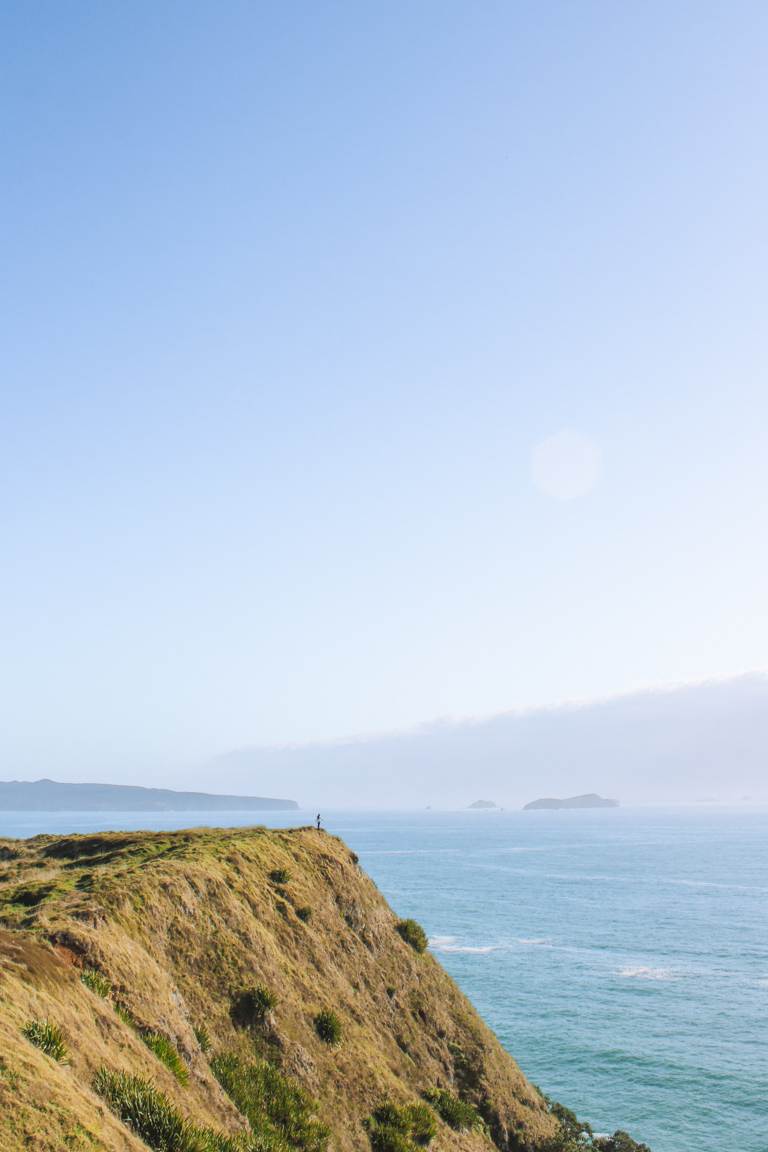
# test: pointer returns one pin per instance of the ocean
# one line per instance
(620, 955)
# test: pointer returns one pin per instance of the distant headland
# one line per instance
(483, 804)
(589, 800)
(54, 796)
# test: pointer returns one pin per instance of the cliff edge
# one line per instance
(242, 990)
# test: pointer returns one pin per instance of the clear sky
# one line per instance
(368, 363)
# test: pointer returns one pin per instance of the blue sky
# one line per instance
(291, 293)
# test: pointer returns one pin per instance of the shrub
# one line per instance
(167, 1054)
(279, 875)
(328, 1027)
(125, 1014)
(253, 1005)
(456, 1113)
(619, 1142)
(400, 1128)
(155, 1120)
(304, 914)
(413, 934)
(276, 1108)
(48, 1037)
(203, 1037)
(96, 981)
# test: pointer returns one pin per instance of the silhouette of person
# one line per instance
(318, 821)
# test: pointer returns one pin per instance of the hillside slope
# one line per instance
(205, 958)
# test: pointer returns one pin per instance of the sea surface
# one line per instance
(620, 955)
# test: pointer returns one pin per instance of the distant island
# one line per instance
(589, 800)
(483, 804)
(53, 796)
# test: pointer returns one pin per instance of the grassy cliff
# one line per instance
(237, 990)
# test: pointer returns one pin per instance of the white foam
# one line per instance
(448, 944)
(441, 941)
(536, 941)
(644, 972)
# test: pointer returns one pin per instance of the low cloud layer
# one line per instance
(694, 743)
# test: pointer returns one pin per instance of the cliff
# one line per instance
(235, 991)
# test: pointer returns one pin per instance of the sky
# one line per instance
(366, 364)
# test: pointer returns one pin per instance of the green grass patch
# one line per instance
(166, 1052)
(253, 1005)
(48, 1037)
(29, 896)
(156, 1120)
(413, 934)
(456, 1113)
(96, 981)
(401, 1128)
(203, 1037)
(328, 1027)
(273, 1104)
(125, 1014)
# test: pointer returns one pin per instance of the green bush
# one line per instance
(328, 1027)
(156, 1121)
(167, 1054)
(96, 981)
(304, 914)
(619, 1142)
(274, 1105)
(413, 934)
(48, 1037)
(400, 1128)
(576, 1135)
(253, 1005)
(203, 1037)
(279, 875)
(456, 1113)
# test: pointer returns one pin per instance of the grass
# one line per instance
(328, 1027)
(456, 1113)
(253, 1006)
(400, 1128)
(155, 1120)
(413, 934)
(125, 1014)
(279, 875)
(167, 1054)
(96, 981)
(273, 1104)
(48, 1037)
(203, 1037)
(8, 1075)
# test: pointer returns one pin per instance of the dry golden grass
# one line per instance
(180, 925)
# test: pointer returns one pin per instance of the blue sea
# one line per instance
(620, 955)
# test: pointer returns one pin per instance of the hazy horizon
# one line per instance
(657, 746)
